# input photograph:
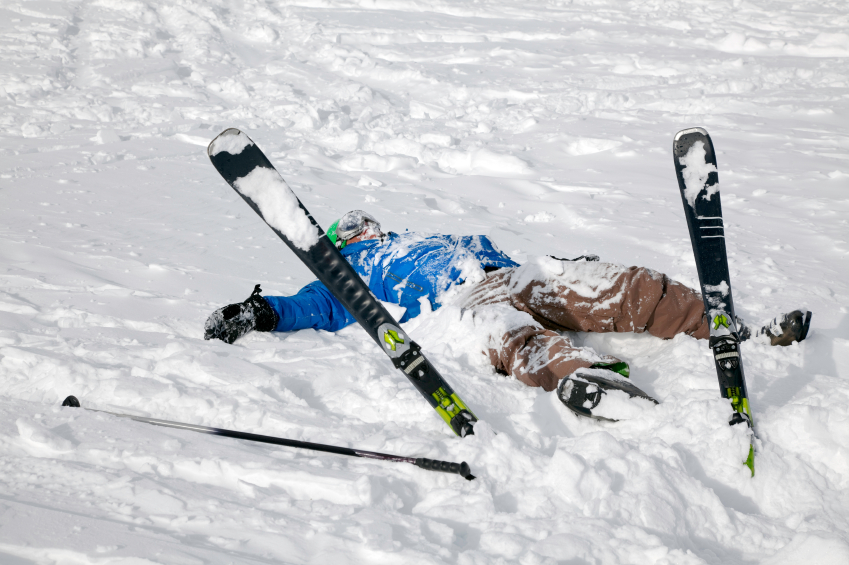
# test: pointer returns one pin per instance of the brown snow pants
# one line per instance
(580, 297)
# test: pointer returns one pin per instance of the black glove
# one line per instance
(232, 322)
(787, 328)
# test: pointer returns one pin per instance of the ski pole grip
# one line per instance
(71, 401)
(461, 469)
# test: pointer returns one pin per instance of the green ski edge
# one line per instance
(728, 364)
(740, 405)
(750, 460)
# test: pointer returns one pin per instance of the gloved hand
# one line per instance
(783, 330)
(235, 320)
(787, 328)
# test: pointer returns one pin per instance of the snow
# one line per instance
(231, 141)
(696, 171)
(585, 279)
(722, 288)
(118, 239)
(279, 206)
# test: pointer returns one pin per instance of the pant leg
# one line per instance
(601, 297)
(540, 357)
(524, 348)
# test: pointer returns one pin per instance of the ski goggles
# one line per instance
(349, 226)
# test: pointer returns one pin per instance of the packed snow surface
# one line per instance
(546, 126)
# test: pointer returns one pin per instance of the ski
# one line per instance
(247, 170)
(698, 181)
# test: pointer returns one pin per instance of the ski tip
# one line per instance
(231, 140)
(687, 131)
(71, 401)
(686, 139)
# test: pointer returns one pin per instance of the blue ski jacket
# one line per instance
(397, 268)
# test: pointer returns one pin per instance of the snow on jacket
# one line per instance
(397, 268)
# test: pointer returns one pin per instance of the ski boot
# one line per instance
(783, 330)
(232, 322)
(583, 391)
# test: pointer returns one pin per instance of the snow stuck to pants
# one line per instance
(587, 280)
(118, 239)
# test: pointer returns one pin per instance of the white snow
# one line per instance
(118, 238)
(231, 141)
(279, 206)
(585, 279)
(695, 173)
(541, 217)
(722, 288)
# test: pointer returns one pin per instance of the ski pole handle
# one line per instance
(461, 469)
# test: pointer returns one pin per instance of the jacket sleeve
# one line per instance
(313, 307)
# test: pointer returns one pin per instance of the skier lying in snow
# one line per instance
(550, 296)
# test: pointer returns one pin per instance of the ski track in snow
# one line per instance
(547, 126)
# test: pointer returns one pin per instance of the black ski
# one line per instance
(698, 180)
(248, 171)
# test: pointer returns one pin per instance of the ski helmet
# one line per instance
(349, 226)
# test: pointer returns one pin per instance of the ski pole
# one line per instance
(461, 469)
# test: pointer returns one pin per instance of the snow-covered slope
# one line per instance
(545, 125)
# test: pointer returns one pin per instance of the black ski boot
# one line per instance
(583, 390)
(783, 330)
(232, 322)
